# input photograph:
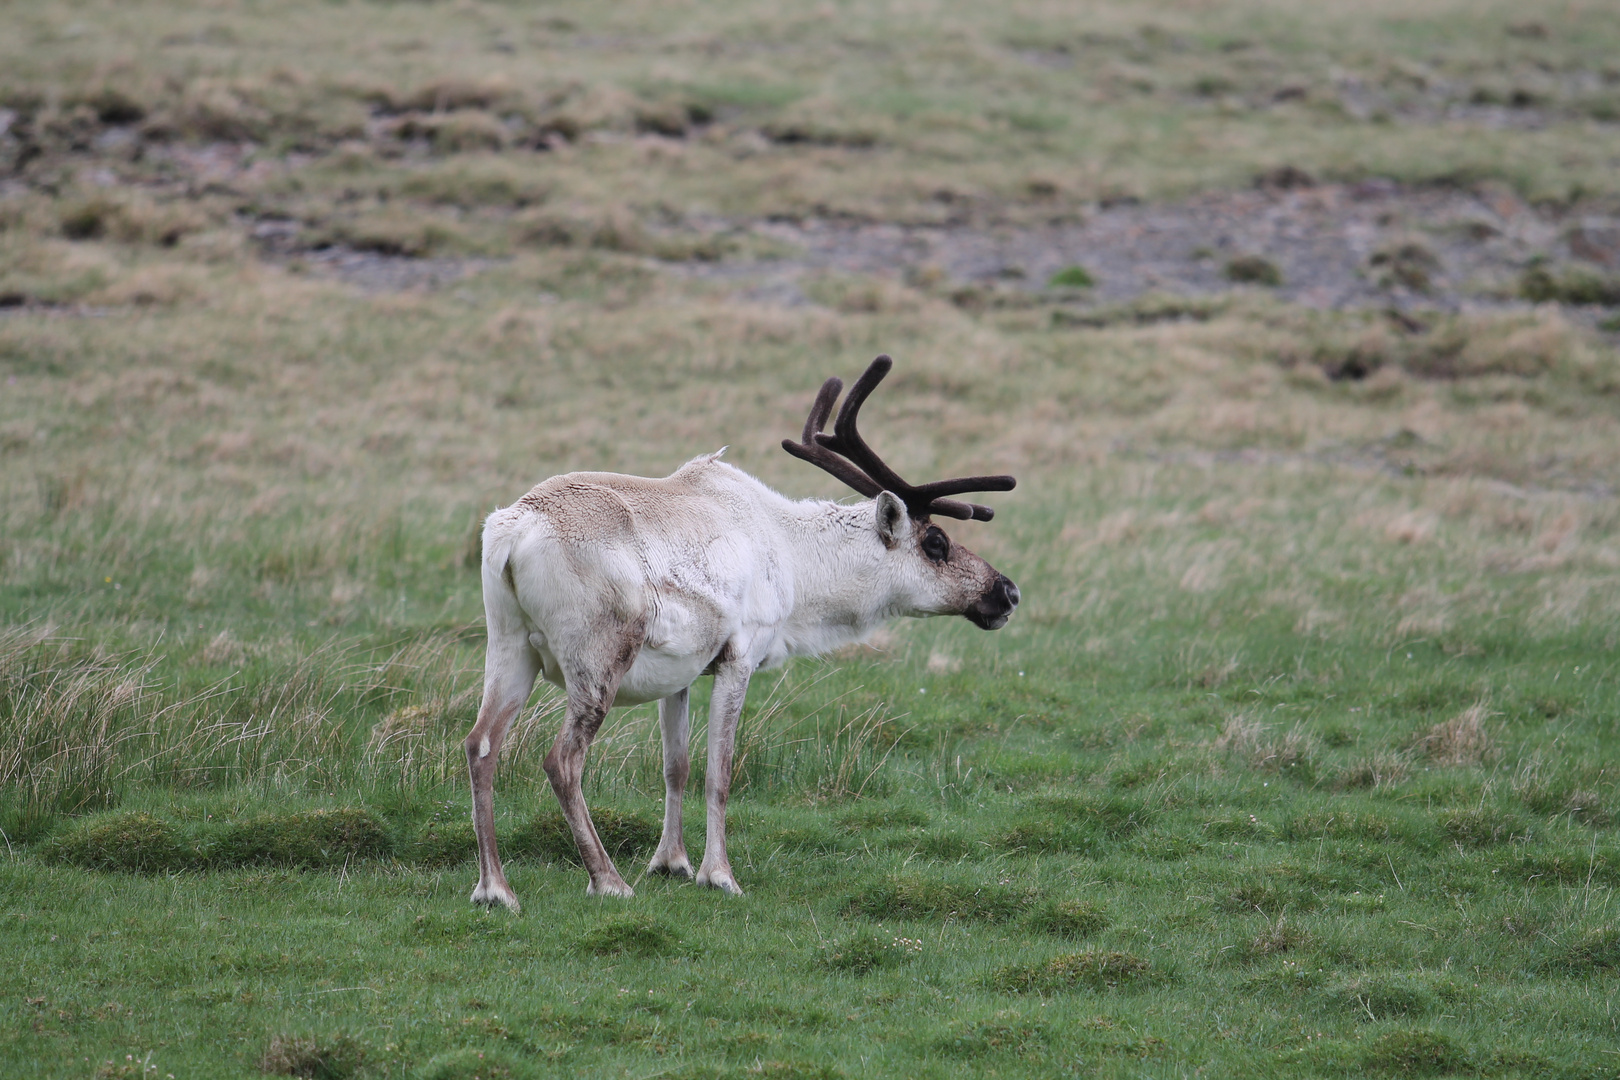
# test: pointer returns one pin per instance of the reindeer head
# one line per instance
(937, 575)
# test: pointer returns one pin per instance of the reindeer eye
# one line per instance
(935, 544)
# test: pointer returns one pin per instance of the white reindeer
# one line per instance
(623, 590)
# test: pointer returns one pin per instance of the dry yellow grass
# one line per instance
(1462, 740)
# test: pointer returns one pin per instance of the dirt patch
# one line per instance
(1370, 244)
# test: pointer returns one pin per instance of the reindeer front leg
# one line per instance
(725, 708)
(674, 721)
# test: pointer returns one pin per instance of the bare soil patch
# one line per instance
(1370, 244)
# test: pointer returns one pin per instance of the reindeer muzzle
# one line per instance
(992, 610)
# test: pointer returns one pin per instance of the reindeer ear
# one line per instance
(891, 518)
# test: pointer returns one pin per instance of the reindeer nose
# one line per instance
(1010, 589)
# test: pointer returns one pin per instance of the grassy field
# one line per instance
(1297, 759)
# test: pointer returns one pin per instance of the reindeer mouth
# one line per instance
(992, 610)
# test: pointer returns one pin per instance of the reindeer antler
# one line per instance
(847, 456)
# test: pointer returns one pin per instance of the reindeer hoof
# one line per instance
(680, 868)
(490, 895)
(614, 886)
(721, 880)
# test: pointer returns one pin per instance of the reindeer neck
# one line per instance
(842, 590)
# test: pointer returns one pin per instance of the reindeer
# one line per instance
(623, 590)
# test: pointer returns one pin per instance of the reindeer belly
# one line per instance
(657, 674)
(682, 637)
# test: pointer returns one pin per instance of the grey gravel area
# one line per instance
(1372, 244)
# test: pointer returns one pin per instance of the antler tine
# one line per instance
(965, 484)
(826, 397)
(846, 437)
(816, 454)
(847, 456)
(960, 510)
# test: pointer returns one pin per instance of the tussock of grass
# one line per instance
(630, 935)
(1166, 846)
(1006, 1032)
(1079, 825)
(1267, 897)
(311, 839)
(441, 844)
(130, 1068)
(1441, 347)
(1592, 952)
(775, 1069)
(1052, 836)
(1252, 742)
(1462, 740)
(1572, 285)
(474, 1064)
(1383, 769)
(1069, 918)
(868, 951)
(1239, 827)
(1343, 825)
(1483, 827)
(547, 836)
(808, 839)
(1150, 310)
(1415, 1053)
(878, 816)
(1561, 799)
(1541, 865)
(312, 1058)
(1287, 979)
(135, 842)
(945, 846)
(911, 897)
(1374, 998)
(1409, 264)
(1280, 936)
(1085, 970)
(1253, 270)
(1071, 277)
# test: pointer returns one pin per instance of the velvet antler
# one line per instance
(847, 456)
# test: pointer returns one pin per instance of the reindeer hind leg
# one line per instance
(592, 681)
(510, 666)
